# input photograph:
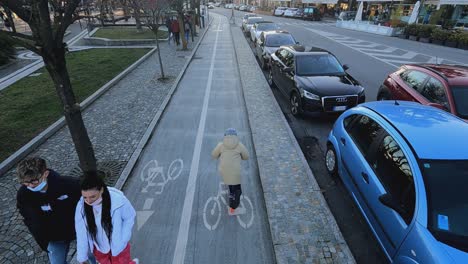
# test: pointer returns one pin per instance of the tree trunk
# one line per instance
(159, 55)
(182, 31)
(54, 60)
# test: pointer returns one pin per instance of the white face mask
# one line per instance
(97, 202)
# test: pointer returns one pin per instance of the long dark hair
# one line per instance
(94, 182)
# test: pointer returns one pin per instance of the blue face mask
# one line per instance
(39, 187)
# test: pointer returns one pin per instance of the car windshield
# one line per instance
(267, 26)
(254, 20)
(279, 40)
(460, 96)
(446, 182)
(282, 8)
(323, 64)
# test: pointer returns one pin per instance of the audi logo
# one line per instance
(341, 99)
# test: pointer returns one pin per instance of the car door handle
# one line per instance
(343, 141)
(365, 176)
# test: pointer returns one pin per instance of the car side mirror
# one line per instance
(297, 42)
(436, 105)
(345, 67)
(287, 70)
(387, 200)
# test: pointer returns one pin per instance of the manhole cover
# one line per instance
(111, 170)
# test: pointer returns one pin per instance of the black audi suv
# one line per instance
(313, 80)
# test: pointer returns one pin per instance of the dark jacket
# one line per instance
(58, 223)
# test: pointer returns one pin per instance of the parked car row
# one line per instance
(404, 163)
(246, 8)
(306, 13)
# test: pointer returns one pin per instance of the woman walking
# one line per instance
(104, 219)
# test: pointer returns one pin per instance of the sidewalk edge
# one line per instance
(152, 126)
(52, 129)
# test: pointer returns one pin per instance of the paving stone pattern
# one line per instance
(115, 122)
(302, 226)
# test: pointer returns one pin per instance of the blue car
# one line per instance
(406, 167)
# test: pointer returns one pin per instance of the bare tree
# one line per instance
(153, 13)
(47, 41)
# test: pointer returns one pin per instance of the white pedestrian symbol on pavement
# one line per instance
(213, 210)
(154, 175)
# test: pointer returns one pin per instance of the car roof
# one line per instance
(254, 17)
(432, 133)
(453, 74)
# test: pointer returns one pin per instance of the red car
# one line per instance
(441, 86)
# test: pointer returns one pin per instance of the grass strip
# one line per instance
(31, 105)
(127, 33)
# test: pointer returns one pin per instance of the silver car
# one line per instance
(261, 26)
(249, 23)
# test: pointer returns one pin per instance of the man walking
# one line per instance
(47, 203)
(176, 31)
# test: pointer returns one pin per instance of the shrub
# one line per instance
(463, 39)
(7, 51)
(454, 36)
(440, 34)
(396, 23)
(411, 29)
(425, 31)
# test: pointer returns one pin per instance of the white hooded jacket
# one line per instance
(123, 218)
(230, 153)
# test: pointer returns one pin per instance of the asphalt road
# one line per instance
(370, 58)
(175, 188)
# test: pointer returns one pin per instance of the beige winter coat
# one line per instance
(230, 152)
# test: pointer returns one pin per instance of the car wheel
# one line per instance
(296, 106)
(330, 160)
(270, 80)
(384, 95)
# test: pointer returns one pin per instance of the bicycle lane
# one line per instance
(175, 188)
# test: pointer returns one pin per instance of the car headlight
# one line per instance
(311, 96)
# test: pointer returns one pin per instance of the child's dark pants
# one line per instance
(235, 192)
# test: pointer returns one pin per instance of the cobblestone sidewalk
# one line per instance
(115, 123)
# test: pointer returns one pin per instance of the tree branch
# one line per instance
(17, 8)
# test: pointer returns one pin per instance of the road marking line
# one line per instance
(408, 55)
(182, 237)
(148, 203)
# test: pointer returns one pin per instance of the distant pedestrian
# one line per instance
(104, 220)
(47, 202)
(202, 17)
(230, 152)
(169, 29)
(187, 27)
(176, 31)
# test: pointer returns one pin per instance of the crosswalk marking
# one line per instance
(387, 54)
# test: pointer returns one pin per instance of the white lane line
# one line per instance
(148, 203)
(407, 56)
(182, 237)
(386, 50)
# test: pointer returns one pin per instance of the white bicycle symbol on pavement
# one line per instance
(212, 210)
(154, 175)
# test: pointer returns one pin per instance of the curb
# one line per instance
(44, 135)
(152, 126)
(314, 185)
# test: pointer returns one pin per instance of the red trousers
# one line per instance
(107, 258)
